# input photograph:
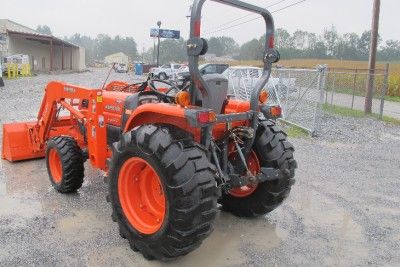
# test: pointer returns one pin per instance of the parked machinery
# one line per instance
(169, 155)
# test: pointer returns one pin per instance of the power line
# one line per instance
(245, 16)
(286, 7)
(247, 21)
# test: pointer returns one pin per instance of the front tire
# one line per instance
(64, 160)
(178, 169)
(270, 150)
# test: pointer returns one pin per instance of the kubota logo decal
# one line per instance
(112, 108)
(69, 89)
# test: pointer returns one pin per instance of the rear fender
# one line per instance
(160, 113)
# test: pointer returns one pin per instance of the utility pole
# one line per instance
(154, 50)
(158, 47)
(372, 56)
(190, 9)
(143, 53)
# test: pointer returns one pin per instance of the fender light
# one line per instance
(276, 111)
(206, 117)
(263, 97)
(182, 98)
(271, 111)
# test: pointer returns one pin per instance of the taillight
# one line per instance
(271, 41)
(276, 111)
(206, 117)
(197, 28)
(263, 97)
(182, 98)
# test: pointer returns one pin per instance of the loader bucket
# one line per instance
(17, 144)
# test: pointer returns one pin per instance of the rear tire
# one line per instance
(188, 184)
(273, 151)
(64, 160)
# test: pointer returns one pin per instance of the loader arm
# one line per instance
(60, 95)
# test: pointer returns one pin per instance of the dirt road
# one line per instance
(343, 210)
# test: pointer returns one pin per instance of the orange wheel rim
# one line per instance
(254, 166)
(55, 166)
(141, 195)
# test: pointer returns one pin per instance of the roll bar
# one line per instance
(196, 44)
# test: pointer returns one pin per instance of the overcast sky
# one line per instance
(135, 18)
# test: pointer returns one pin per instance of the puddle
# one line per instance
(23, 206)
(83, 225)
(4, 255)
(223, 246)
(117, 256)
(19, 201)
(25, 177)
(2, 188)
(19, 210)
(324, 217)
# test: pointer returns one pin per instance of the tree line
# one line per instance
(303, 44)
(330, 45)
(300, 44)
(103, 45)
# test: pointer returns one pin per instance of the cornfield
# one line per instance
(351, 66)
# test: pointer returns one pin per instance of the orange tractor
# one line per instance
(169, 154)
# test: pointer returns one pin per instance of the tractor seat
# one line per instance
(218, 85)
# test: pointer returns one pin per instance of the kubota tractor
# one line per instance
(169, 155)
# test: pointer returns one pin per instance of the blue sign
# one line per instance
(153, 32)
(164, 33)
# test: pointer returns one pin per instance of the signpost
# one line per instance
(1, 76)
(164, 33)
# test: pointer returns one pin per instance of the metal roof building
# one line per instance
(46, 52)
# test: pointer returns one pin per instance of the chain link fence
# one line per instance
(304, 94)
(298, 91)
(347, 88)
(241, 85)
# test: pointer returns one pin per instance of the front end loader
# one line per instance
(169, 154)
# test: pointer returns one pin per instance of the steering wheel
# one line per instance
(142, 86)
(166, 94)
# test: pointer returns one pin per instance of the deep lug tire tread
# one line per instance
(274, 151)
(189, 183)
(72, 161)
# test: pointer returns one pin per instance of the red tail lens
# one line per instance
(197, 27)
(271, 41)
(206, 117)
(263, 97)
(276, 111)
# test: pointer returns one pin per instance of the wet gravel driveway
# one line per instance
(344, 209)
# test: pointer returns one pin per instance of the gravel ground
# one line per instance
(343, 210)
